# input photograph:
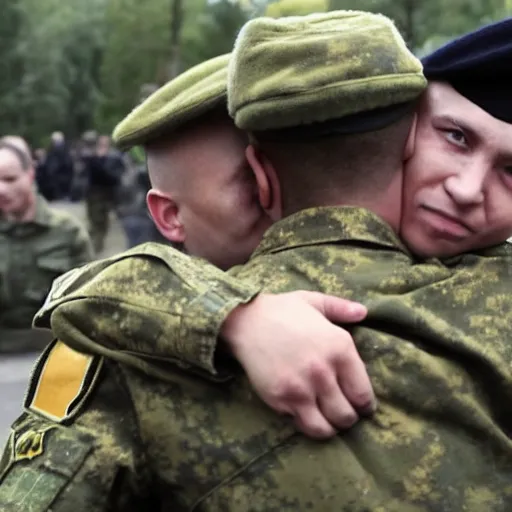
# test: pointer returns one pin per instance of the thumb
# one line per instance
(336, 309)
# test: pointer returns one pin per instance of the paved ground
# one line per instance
(15, 370)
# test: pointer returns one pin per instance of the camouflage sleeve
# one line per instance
(80, 451)
(152, 301)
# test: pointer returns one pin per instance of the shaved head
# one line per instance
(204, 194)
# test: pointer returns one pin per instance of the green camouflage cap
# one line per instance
(186, 97)
(309, 69)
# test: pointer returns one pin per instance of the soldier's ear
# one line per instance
(269, 189)
(165, 213)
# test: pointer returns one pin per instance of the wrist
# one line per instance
(232, 329)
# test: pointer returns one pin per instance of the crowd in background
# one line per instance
(109, 181)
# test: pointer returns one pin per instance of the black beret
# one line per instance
(478, 66)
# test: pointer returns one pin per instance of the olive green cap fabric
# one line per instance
(309, 69)
(186, 97)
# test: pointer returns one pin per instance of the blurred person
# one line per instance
(43, 181)
(59, 166)
(37, 244)
(19, 142)
(39, 155)
(104, 168)
(85, 151)
(44, 185)
(131, 205)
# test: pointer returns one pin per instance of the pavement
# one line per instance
(15, 370)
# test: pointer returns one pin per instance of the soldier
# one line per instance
(208, 197)
(208, 193)
(60, 165)
(430, 230)
(37, 244)
(182, 442)
(104, 170)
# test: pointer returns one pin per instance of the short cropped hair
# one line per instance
(24, 159)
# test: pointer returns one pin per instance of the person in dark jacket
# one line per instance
(59, 166)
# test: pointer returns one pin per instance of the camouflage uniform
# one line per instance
(32, 255)
(102, 434)
(439, 440)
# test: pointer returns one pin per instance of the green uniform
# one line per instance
(32, 255)
(436, 344)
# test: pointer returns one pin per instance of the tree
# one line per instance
(175, 36)
(418, 20)
(214, 32)
(11, 64)
(151, 42)
(137, 51)
(55, 48)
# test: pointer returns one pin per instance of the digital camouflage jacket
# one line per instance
(134, 428)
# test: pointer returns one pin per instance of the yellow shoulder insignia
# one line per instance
(61, 382)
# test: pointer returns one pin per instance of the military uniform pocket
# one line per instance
(57, 261)
(40, 459)
(49, 265)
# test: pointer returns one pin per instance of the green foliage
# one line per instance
(136, 52)
(50, 60)
(213, 32)
(79, 64)
(296, 7)
(419, 20)
(138, 48)
(11, 64)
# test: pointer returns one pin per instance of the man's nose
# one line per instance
(467, 186)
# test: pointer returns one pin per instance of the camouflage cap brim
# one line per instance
(188, 96)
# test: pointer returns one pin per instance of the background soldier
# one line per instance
(37, 244)
(104, 169)
(59, 166)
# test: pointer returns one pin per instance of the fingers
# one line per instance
(333, 404)
(342, 310)
(336, 406)
(334, 308)
(323, 402)
(354, 381)
(339, 391)
(311, 422)
(292, 397)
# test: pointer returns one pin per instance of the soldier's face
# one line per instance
(215, 193)
(16, 184)
(458, 184)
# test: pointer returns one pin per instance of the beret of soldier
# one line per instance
(477, 66)
(186, 97)
(310, 69)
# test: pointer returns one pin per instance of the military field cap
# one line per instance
(300, 70)
(478, 66)
(186, 97)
